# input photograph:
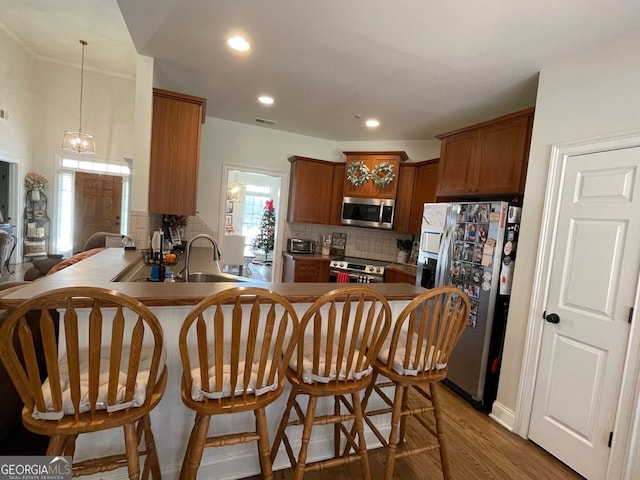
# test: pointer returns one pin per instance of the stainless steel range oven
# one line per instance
(356, 270)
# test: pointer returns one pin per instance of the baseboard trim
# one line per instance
(503, 416)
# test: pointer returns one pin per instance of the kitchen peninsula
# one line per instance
(116, 268)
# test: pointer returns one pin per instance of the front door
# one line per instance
(97, 206)
(592, 284)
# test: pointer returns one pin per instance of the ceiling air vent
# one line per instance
(265, 121)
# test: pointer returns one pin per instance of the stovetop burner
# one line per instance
(361, 265)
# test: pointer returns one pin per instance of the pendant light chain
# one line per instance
(81, 82)
(79, 141)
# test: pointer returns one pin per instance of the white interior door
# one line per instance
(592, 284)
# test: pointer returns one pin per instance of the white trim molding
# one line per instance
(624, 460)
(503, 415)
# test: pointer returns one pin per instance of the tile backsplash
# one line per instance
(142, 223)
(361, 242)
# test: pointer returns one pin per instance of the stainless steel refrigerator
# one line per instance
(472, 245)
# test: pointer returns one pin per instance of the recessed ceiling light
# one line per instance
(265, 99)
(372, 123)
(238, 43)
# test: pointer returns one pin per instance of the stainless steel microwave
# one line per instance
(368, 212)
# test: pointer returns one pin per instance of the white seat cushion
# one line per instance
(398, 360)
(307, 365)
(198, 394)
(140, 391)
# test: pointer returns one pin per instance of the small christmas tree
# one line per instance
(265, 238)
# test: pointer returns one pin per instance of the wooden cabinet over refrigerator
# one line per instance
(486, 159)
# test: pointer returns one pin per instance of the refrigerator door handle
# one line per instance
(444, 256)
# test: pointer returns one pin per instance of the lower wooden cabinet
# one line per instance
(392, 275)
(304, 269)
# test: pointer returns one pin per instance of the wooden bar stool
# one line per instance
(103, 372)
(340, 335)
(234, 346)
(415, 358)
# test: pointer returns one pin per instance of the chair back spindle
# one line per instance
(105, 370)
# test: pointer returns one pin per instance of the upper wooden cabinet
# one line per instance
(369, 189)
(312, 197)
(175, 152)
(404, 197)
(486, 159)
(424, 191)
(416, 186)
(337, 194)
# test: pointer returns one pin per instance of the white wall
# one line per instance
(16, 130)
(417, 150)
(588, 96)
(107, 113)
(42, 99)
(16, 98)
(255, 147)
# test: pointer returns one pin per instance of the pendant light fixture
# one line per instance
(79, 141)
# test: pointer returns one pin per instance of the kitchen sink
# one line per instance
(211, 277)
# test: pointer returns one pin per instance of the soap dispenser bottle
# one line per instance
(156, 244)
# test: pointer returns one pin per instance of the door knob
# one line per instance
(552, 318)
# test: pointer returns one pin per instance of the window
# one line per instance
(252, 214)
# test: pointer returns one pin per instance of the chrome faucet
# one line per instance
(216, 255)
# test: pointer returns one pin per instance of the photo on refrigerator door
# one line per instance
(473, 314)
(455, 270)
(465, 271)
(476, 273)
(470, 234)
(472, 291)
(483, 232)
(457, 251)
(483, 212)
(467, 252)
(477, 254)
(462, 212)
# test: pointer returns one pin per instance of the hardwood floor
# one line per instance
(479, 449)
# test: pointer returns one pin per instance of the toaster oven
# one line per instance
(301, 245)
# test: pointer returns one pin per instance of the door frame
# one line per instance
(17, 202)
(625, 448)
(282, 194)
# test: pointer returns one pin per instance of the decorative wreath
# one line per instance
(383, 174)
(358, 173)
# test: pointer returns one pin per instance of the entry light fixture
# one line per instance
(79, 141)
(372, 123)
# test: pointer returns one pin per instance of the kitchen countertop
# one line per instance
(114, 268)
(117, 269)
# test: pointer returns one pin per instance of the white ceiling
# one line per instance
(422, 67)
